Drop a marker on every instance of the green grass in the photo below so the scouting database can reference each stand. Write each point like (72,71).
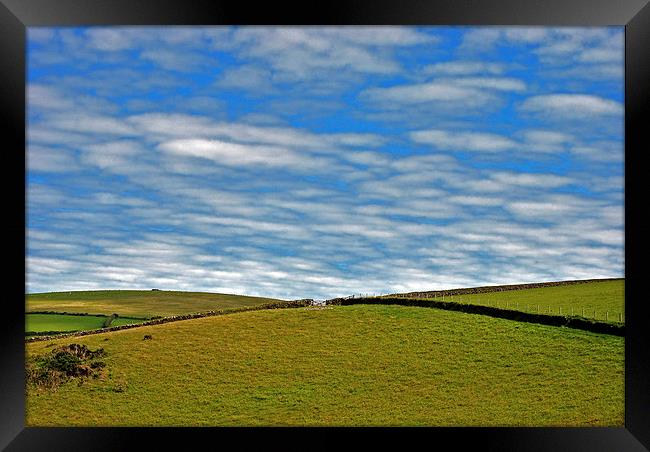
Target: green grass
(606,298)
(36,323)
(343,365)
(125,321)
(138,303)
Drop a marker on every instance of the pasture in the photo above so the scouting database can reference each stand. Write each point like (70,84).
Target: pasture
(602,300)
(343,365)
(39,323)
(138,303)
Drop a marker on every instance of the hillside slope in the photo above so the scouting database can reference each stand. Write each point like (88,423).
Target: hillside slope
(344,365)
(138,303)
(602,300)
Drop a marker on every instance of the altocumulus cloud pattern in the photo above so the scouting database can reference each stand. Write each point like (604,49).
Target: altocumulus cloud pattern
(319,161)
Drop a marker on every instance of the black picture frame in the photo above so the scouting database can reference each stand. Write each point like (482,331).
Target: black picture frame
(16,15)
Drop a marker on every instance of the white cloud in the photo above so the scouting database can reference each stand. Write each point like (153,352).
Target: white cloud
(428,92)
(600,151)
(464,68)
(43,195)
(52,160)
(571,105)
(598,72)
(531,180)
(480,39)
(195,126)
(555,41)
(173,60)
(90,124)
(246,77)
(476,200)
(235,154)
(499,84)
(463,141)
(445,94)
(109,39)
(41,96)
(112,155)
(310,52)
(553,208)
(602,55)
(546,140)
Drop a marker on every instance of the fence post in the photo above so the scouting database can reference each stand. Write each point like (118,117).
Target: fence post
(606,316)
(619,317)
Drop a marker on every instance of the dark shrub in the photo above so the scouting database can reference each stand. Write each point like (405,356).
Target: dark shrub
(64,361)
(62,364)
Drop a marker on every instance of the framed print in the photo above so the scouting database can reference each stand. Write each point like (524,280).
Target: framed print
(372,218)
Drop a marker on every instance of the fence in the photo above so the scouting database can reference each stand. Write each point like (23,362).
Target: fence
(587,312)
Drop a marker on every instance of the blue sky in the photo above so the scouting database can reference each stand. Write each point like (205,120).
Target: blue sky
(323,161)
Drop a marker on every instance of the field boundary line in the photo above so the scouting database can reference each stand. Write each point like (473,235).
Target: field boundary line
(86,314)
(175,318)
(509,314)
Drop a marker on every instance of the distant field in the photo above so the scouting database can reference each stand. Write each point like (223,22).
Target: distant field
(37,323)
(138,303)
(606,299)
(344,365)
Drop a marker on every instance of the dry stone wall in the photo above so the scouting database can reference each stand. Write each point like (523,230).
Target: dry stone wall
(176,318)
(510,314)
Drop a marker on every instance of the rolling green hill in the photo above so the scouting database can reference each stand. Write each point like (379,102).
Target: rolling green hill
(600,300)
(138,303)
(342,365)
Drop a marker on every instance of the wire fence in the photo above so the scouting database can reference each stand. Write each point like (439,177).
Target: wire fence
(588,312)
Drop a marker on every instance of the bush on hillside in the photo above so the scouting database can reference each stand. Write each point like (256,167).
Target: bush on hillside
(62,364)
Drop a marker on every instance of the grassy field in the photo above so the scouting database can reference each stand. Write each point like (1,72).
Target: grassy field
(138,303)
(343,365)
(36,323)
(605,298)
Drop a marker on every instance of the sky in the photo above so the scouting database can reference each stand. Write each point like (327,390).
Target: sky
(316,162)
